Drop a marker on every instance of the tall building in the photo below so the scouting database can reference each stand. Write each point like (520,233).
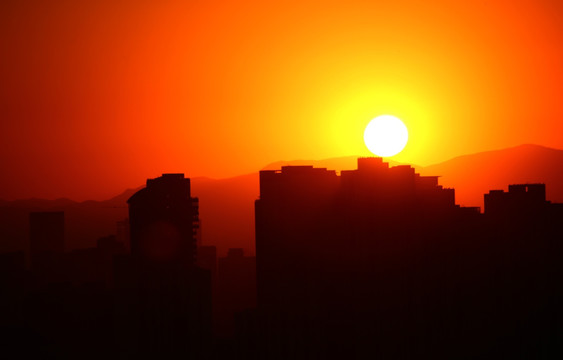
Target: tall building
(163,300)
(329,245)
(163,220)
(311,221)
(294,203)
(379,262)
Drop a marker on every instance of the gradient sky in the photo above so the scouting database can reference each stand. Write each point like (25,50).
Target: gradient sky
(97,96)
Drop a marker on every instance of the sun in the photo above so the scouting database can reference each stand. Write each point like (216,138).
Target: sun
(386,136)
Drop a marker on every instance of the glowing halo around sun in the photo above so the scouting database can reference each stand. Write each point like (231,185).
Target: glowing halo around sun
(386,136)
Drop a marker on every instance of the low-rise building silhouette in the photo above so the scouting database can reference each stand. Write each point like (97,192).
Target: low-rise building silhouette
(520,199)
(236,288)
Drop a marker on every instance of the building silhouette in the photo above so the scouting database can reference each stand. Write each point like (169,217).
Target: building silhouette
(163,220)
(381,262)
(520,199)
(236,288)
(163,300)
(377,262)
(307,218)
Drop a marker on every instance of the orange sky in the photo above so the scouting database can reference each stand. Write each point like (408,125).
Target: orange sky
(96,96)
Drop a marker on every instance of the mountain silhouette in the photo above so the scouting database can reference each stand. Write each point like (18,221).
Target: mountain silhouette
(227,205)
(473,175)
(85,222)
(226,211)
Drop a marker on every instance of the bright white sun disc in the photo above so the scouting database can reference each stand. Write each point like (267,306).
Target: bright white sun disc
(386,136)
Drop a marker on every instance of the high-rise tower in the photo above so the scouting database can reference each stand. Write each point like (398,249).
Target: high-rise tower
(164,220)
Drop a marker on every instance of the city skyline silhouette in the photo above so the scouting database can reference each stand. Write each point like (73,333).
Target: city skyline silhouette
(373,262)
(87,221)
(197,179)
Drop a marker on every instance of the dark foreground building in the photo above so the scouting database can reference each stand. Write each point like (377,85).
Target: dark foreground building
(163,301)
(102,302)
(379,262)
(373,263)
(163,220)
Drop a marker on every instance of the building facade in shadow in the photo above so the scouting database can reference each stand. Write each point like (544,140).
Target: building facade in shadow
(163,300)
(163,220)
(377,262)
(380,261)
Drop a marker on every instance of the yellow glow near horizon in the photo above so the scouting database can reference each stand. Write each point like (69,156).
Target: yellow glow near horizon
(386,135)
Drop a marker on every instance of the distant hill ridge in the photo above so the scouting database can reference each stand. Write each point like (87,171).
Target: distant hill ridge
(473,175)
(227,205)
